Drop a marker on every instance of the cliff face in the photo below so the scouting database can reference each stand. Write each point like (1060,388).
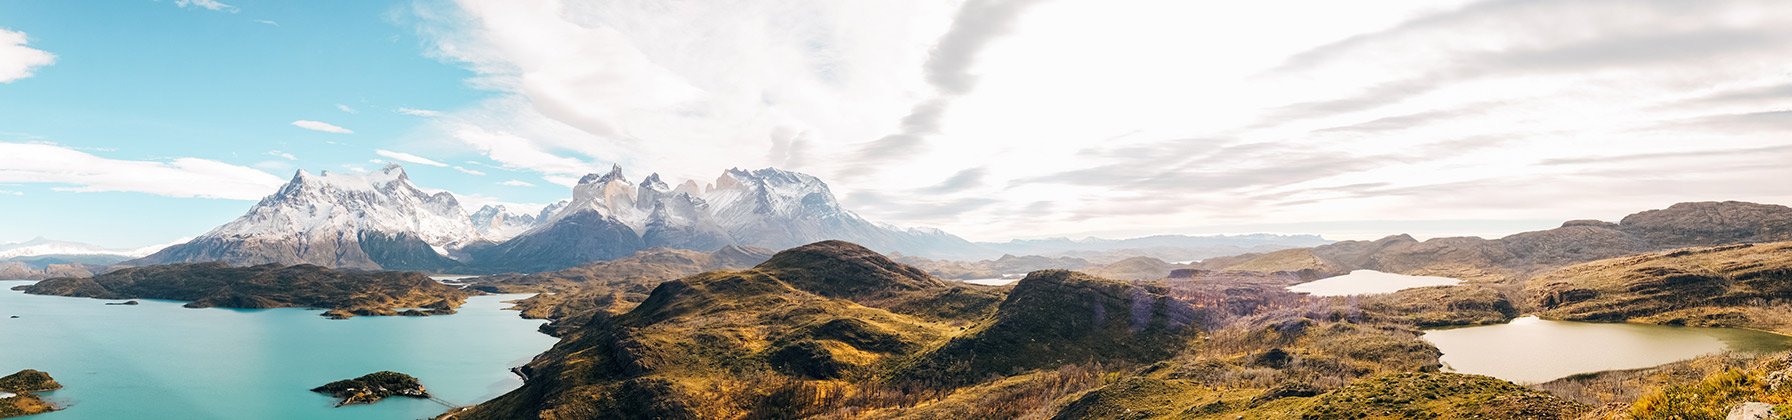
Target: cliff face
(263,286)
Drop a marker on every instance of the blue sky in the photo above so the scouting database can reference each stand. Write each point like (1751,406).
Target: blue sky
(140,121)
(149,80)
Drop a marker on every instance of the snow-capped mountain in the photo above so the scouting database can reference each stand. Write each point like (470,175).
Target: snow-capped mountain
(498,223)
(41,246)
(609,217)
(374,220)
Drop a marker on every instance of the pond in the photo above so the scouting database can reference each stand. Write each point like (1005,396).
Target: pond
(1529,350)
(160,360)
(1368,282)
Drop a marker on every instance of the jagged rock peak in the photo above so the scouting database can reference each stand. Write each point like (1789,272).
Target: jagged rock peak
(653,182)
(615,174)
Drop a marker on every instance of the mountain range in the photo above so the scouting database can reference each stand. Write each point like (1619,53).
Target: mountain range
(381,220)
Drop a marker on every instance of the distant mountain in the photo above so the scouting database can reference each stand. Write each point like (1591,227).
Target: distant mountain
(1165,247)
(41,246)
(609,217)
(41,258)
(498,223)
(1522,255)
(372,221)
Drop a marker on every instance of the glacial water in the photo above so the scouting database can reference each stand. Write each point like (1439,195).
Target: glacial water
(160,360)
(1531,350)
(1368,282)
(998,281)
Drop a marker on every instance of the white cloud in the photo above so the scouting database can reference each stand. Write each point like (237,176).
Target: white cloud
(419,112)
(345,108)
(79,171)
(408,158)
(516,183)
(11,192)
(1100,117)
(321,126)
(213,5)
(464,170)
(18,61)
(267,22)
(282,155)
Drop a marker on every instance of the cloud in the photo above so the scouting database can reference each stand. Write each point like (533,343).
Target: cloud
(345,108)
(948,69)
(464,170)
(267,22)
(408,158)
(1068,118)
(419,112)
(78,171)
(516,183)
(321,126)
(18,61)
(963,180)
(979,22)
(213,5)
(282,155)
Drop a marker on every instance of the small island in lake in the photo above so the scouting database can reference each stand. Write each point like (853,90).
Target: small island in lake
(16,393)
(343,293)
(373,387)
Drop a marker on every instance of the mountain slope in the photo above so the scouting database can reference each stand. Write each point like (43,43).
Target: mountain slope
(613,286)
(375,221)
(1522,255)
(724,344)
(1054,318)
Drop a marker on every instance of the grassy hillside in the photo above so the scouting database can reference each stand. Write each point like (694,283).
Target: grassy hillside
(1748,285)
(732,344)
(613,286)
(1054,318)
(831,330)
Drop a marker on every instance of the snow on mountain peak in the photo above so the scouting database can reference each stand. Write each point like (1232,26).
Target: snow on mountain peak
(333,203)
(497,222)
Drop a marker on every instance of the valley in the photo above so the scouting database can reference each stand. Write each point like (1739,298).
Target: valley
(658,312)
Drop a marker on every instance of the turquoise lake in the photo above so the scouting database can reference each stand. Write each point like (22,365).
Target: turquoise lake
(160,360)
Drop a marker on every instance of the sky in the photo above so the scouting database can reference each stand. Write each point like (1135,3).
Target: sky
(140,122)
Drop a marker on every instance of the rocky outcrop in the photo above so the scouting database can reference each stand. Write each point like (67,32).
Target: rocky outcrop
(373,387)
(18,393)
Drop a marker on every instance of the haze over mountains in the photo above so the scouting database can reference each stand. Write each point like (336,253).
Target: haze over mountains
(382,220)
